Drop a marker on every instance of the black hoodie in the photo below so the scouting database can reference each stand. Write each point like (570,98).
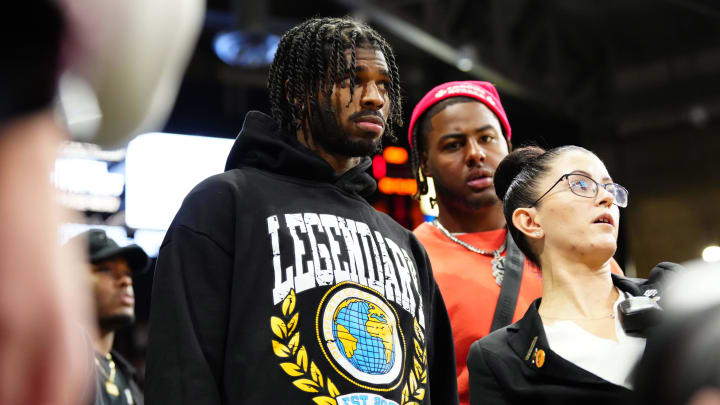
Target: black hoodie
(277,283)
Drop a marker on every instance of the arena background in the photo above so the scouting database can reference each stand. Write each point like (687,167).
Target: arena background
(638,82)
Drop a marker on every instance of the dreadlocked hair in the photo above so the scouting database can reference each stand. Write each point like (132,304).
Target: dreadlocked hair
(417,149)
(310,59)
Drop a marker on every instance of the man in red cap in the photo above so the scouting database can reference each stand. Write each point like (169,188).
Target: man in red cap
(459,133)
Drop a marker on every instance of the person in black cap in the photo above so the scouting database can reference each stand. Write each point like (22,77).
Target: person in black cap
(112,268)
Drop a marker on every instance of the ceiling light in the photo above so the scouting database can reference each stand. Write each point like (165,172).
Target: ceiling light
(711,253)
(465,64)
(246,49)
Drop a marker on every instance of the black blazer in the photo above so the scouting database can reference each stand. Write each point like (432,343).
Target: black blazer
(515,365)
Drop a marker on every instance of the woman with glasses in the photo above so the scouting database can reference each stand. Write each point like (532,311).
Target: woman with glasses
(563,210)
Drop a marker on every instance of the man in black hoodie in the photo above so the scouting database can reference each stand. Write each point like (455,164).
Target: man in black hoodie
(277,283)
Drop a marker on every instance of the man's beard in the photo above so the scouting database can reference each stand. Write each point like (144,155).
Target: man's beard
(464,203)
(115,322)
(331,137)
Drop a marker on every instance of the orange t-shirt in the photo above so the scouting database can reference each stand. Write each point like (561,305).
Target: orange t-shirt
(469,289)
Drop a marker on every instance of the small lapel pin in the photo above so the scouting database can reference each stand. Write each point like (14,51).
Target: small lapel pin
(539,358)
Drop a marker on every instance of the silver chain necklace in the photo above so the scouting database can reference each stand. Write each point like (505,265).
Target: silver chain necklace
(498,262)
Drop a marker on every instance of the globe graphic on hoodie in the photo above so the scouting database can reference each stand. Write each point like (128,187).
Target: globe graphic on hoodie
(364,336)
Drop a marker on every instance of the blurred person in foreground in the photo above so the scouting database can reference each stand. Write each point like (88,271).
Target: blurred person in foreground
(44,309)
(681,363)
(459,132)
(562,209)
(277,282)
(112,269)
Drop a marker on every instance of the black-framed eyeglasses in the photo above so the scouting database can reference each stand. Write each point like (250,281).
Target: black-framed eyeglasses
(585,186)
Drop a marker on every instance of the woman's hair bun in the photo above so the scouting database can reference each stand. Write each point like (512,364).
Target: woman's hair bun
(511,166)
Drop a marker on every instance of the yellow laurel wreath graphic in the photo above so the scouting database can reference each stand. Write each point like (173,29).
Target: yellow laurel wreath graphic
(414,389)
(288,347)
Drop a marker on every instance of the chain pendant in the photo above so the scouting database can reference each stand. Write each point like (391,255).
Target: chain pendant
(111,388)
(498,262)
(498,267)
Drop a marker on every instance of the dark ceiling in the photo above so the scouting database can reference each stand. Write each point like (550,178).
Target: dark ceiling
(637,81)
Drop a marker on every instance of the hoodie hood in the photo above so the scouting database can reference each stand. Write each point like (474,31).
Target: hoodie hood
(262,145)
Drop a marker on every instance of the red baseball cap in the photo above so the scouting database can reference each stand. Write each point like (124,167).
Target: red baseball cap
(484,92)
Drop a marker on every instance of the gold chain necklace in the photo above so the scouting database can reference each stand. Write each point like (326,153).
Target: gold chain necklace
(110,385)
(498,262)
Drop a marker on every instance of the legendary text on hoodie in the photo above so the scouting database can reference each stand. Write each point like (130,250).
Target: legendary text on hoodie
(278,283)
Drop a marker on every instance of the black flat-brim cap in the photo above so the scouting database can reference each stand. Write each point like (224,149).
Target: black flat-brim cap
(101,248)
(136,257)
